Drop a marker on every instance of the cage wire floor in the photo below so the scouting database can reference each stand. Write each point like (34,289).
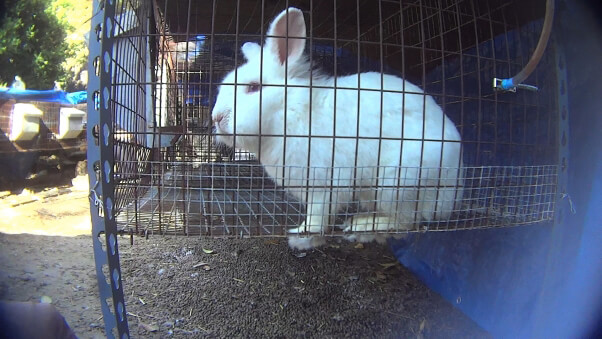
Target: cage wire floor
(240,200)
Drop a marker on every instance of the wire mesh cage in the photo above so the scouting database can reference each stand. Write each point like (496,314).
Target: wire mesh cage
(241,118)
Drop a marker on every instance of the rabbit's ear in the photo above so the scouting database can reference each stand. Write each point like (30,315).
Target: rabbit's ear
(250,50)
(292,46)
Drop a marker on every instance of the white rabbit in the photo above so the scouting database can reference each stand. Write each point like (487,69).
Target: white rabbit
(415,181)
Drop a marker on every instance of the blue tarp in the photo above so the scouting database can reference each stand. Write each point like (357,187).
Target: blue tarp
(61,97)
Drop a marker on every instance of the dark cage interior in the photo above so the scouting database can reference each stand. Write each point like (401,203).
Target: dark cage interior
(170,175)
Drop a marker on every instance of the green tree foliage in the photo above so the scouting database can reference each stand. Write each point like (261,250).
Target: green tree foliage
(74,16)
(32,43)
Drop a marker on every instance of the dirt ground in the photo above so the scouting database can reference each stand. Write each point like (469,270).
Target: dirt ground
(191,287)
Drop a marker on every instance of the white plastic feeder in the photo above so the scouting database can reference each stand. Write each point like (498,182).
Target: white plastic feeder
(71,122)
(25,122)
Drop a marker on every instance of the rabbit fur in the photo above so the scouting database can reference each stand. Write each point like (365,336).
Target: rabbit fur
(415,180)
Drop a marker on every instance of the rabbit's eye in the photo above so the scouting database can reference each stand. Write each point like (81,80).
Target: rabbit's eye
(253,87)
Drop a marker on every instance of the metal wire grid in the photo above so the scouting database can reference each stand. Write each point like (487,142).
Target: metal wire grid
(130,96)
(451,49)
(240,200)
(6,108)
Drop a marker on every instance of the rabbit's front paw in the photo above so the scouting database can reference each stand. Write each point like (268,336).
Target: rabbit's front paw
(305,243)
(367,223)
(312,225)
